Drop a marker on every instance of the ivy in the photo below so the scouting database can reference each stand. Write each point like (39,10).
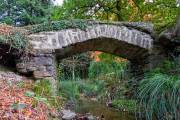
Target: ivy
(58,25)
(160,27)
(16,40)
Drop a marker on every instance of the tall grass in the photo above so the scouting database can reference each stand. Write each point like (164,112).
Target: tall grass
(72,89)
(92,88)
(103,68)
(159,95)
(69,89)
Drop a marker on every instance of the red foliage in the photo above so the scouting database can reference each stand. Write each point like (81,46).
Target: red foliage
(11,94)
(5,29)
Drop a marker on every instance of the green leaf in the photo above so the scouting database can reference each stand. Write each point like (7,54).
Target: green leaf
(29,94)
(18,106)
(42,99)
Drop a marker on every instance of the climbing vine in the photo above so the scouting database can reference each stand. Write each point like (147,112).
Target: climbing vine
(58,25)
(16,40)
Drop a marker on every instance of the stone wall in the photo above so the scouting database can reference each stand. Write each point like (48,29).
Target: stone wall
(40,64)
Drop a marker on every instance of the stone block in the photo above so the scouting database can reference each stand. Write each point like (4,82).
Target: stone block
(31,68)
(43,60)
(24,71)
(42,68)
(41,74)
(20,65)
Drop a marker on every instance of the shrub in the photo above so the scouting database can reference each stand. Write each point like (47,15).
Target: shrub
(125,105)
(105,69)
(58,25)
(91,88)
(159,94)
(42,88)
(16,40)
(69,89)
(42,91)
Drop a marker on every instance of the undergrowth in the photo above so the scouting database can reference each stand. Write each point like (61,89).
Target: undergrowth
(125,105)
(15,40)
(159,93)
(43,92)
(69,90)
(58,25)
(18,40)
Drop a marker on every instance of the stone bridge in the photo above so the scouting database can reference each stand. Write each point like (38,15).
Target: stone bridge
(133,41)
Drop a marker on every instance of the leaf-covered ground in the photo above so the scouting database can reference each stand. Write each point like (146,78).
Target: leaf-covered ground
(15,105)
(5,29)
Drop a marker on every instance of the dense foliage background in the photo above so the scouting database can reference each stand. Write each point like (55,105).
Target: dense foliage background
(24,12)
(106,79)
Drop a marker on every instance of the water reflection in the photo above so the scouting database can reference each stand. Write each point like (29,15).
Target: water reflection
(97,109)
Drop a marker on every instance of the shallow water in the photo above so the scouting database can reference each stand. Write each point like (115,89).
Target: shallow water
(97,109)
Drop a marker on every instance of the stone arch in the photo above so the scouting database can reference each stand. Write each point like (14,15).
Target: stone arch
(118,39)
(108,45)
(63,38)
(123,40)
(133,41)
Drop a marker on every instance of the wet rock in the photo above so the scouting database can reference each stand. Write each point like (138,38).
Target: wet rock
(68,115)
(70,105)
(82,118)
(10,76)
(109,104)
(91,117)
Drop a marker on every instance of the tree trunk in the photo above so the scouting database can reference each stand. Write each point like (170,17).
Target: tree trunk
(177,28)
(118,7)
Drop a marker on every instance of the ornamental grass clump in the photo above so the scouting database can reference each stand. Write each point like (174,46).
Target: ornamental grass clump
(159,95)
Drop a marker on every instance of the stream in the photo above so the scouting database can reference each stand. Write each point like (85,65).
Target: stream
(97,109)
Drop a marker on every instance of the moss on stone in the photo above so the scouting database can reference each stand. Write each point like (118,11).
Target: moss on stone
(160,27)
(15,40)
(57,25)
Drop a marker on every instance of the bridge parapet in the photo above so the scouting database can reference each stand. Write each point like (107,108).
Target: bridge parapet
(63,38)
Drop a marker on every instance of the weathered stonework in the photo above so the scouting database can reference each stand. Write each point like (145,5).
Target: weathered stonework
(68,37)
(133,41)
(41,65)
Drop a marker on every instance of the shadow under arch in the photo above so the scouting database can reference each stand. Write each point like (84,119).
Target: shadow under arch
(136,55)
(107,45)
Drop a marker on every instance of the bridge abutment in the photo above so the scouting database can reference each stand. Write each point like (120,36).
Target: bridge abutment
(40,65)
(154,58)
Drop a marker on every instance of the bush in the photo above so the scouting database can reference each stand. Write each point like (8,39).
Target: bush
(159,94)
(69,89)
(42,91)
(91,88)
(114,74)
(125,105)
(72,89)
(58,25)
(97,69)
(16,40)
(42,88)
